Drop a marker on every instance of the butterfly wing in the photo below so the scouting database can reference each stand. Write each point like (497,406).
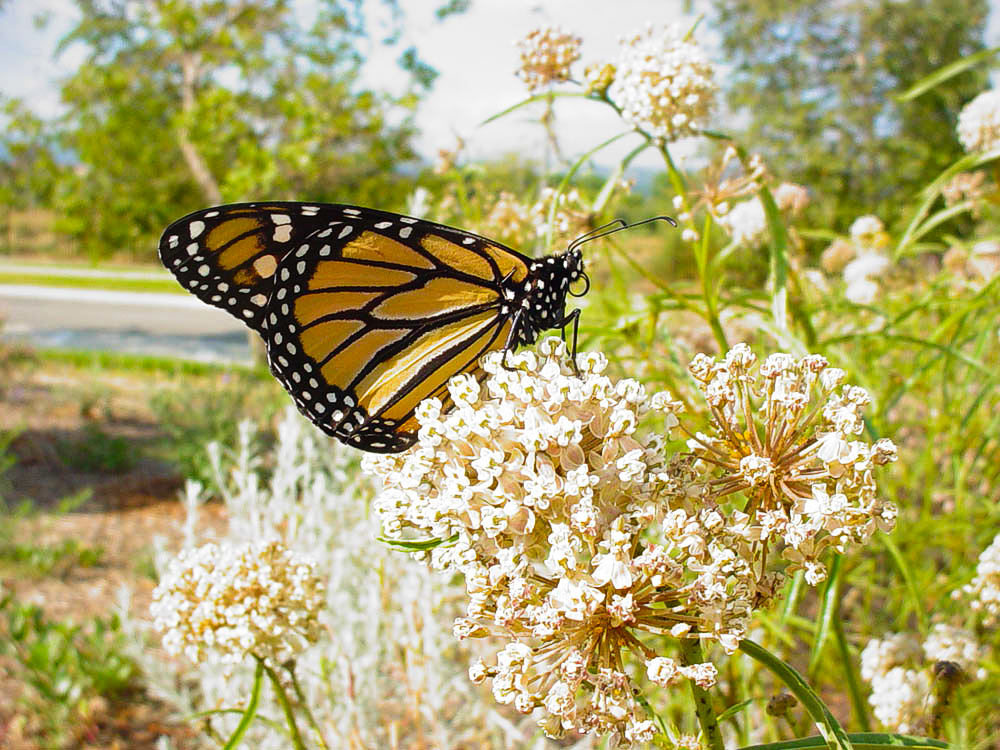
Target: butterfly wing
(374,312)
(227,255)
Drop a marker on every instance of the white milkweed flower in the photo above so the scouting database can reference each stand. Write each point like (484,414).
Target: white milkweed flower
(663,83)
(858,275)
(746,222)
(900,670)
(979,122)
(984,588)
(219,603)
(546,56)
(866,227)
(580,548)
(808,478)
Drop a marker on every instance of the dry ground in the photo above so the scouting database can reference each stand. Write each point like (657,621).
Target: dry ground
(53,407)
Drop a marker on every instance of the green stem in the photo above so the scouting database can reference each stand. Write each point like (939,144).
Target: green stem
(691,654)
(826,722)
(286,706)
(290,668)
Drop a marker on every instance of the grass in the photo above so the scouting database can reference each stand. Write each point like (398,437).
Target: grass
(167,286)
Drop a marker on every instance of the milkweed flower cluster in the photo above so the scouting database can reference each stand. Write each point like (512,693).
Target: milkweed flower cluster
(572,535)
(979,122)
(586,546)
(546,56)
(899,668)
(219,603)
(784,433)
(664,83)
(984,588)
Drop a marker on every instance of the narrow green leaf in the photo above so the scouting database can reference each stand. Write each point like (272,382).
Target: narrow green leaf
(532,100)
(421,545)
(251,709)
(860,741)
(833,734)
(941,75)
(848,664)
(733,710)
(779,259)
(906,572)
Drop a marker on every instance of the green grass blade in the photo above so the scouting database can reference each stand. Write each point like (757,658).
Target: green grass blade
(860,741)
(531,100)
(911,583)
(829,604)
(941,75)
(854,690)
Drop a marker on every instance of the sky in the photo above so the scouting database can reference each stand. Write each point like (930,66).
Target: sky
(474,53)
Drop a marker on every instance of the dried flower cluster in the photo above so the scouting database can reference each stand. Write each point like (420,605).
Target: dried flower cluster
(984,588)
(546,56)
(784,434)
(576,534)
(663,83)
(859,258)
(222,602)
(979,122)
(899,669)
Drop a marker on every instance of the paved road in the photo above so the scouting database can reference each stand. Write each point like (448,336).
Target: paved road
(136,322)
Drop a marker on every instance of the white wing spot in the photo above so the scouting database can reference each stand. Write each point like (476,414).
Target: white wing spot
(405,232)
(211,214)
(282,233)
(325,233)
(345,231)
(192,248)
(281,218)
(300,266)
(173,241)
(302,250)
(259,299)
(324,251)
(248,313)
(468,241)
(204,270)
(407,220)
(383,225)
(196,228)
(223,286)
(352,211)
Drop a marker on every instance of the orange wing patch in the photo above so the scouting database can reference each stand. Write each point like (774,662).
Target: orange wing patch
(312,306)
(435,297)
(509,264)
(343,368)
(378,247)
(457,257)
(322,338)
(333,274)
(389,377)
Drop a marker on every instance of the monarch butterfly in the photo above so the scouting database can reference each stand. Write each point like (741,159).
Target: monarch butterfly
(366,313)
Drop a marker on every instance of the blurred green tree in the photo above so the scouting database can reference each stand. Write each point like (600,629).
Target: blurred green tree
(28,165)
(180,104)
(817,82)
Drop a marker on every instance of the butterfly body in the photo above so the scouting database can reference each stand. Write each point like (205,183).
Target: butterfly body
(365,313)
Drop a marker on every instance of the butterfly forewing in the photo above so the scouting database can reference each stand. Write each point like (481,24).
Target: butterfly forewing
(227,256)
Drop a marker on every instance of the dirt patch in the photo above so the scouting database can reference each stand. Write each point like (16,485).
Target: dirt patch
(84,434)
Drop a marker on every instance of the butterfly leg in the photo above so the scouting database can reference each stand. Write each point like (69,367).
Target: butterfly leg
(574,318)
(511,341)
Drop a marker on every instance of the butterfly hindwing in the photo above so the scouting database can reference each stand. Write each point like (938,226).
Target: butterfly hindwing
(375,312)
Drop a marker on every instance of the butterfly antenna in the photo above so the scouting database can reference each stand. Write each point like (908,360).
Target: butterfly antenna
(611,228)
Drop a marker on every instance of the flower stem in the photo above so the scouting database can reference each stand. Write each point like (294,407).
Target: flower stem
(691,654)
(286,706)
(290,668)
